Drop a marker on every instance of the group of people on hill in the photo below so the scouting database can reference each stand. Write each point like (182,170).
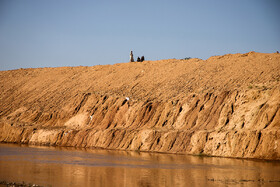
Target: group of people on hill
(138,59)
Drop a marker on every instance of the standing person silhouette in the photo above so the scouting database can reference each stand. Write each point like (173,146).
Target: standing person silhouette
(131,57)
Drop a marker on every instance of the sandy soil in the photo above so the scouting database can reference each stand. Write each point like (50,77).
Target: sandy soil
(200,98)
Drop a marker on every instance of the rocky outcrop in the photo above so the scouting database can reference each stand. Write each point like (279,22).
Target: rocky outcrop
(241,122)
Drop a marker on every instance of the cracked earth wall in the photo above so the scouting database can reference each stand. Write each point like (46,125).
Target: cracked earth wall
(235,121)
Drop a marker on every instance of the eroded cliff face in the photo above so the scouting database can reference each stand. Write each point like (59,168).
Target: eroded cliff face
(232,115)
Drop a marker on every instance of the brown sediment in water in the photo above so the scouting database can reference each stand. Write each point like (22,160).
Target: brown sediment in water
(15,184)
(223,106)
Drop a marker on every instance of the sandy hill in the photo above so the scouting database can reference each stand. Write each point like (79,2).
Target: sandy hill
(223,106)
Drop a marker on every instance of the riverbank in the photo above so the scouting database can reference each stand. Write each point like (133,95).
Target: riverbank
(14,184)
(225,106)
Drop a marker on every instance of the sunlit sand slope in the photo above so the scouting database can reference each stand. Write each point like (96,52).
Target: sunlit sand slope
(223,106)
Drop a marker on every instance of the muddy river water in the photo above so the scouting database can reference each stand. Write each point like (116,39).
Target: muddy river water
(56,166)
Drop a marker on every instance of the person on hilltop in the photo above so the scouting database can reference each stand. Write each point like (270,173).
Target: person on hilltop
(142,59)
(131,57)
(138,59)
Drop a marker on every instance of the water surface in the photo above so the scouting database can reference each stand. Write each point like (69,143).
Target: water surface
(56,166)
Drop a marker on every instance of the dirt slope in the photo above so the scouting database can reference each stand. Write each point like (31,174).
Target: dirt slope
(224,106)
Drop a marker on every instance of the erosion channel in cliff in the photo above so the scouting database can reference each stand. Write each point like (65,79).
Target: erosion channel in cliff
(225,106)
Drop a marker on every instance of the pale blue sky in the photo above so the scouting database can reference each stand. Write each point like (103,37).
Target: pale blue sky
(52,33)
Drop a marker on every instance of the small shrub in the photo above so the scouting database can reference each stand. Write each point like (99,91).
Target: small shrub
(264,88)
(250,86)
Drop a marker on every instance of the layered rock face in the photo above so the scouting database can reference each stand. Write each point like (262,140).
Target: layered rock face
(225,106)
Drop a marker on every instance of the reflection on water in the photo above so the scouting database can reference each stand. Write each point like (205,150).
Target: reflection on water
(49,166)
